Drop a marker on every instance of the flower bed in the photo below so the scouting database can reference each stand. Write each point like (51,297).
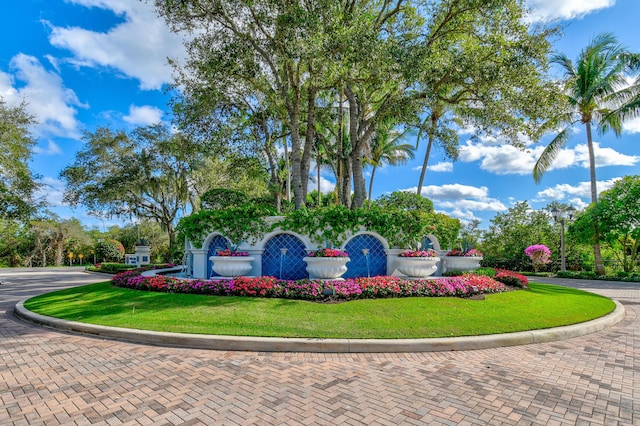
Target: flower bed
(349,289)
(511,278)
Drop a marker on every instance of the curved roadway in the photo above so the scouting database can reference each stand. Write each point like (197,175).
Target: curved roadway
(48,377)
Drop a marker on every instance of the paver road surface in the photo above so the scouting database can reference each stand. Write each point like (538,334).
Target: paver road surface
(48,377)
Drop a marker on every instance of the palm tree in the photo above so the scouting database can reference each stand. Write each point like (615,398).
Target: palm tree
(595,88)
(386,148)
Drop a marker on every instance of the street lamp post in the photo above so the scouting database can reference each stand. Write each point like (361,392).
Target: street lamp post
(559,217)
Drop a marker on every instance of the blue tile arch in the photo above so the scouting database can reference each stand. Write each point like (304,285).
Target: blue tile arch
(357,266)
(427,243)
(289,266)
(217,243)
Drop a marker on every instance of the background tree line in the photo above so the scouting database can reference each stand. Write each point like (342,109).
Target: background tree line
(272,88)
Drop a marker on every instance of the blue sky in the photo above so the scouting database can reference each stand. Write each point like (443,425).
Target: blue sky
(80,64)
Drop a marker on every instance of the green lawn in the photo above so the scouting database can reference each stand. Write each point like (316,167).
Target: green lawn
(542,306)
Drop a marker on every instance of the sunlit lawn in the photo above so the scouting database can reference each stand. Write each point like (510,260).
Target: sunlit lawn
(542,306)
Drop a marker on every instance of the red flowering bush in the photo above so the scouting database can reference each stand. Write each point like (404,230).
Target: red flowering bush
(511,278)
(483,283)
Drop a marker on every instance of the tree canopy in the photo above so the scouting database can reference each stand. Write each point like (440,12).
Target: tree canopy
(617,214)
(17,183)
(304,72)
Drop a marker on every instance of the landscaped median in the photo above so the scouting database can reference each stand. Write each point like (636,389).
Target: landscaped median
(537,314)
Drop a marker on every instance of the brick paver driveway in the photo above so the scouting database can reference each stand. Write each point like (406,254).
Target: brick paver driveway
(47,377)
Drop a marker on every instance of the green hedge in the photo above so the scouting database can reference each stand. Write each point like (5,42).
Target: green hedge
(114,268)
(590,275)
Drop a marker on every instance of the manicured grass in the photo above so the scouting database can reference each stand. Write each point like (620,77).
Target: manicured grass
(542,306)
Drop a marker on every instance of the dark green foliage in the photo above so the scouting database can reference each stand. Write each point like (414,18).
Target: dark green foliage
(114,268)
(404,200)
(109,251)
(489,272)
(590,275)
(17,183)
(221,198)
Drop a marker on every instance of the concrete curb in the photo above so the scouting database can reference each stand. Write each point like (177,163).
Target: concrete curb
(276,344)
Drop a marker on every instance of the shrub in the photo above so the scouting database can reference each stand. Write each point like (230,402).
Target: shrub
(483,283)
(114,268)
(488,272)
(110,250)
(539,254)
(511,278)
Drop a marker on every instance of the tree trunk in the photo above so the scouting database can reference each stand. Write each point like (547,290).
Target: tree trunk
(58,249)
(296,174)
(597,255)
(427,154)
(373,174)
(359,183)
(309,140)
(357,150)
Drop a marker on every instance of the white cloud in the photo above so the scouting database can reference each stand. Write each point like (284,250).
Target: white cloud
(580,191)
(547,10)
(52,191)
(137,47)
(52,104)
(500,159)
(604,156)
(143,115)
(632,126)
(51,149)
(507,159)
(442,167)
(326,186)
(460,201)
(454,191)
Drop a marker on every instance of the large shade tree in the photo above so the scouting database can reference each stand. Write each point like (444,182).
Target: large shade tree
(143,174)
(17,183)
(382,61)
(617,214)
(596,91)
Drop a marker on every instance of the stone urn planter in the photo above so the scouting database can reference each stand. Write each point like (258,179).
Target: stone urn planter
(232,266)
(326,268)
(462,263)
(417,267)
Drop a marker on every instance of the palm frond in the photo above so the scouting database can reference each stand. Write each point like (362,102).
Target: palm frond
(550,153)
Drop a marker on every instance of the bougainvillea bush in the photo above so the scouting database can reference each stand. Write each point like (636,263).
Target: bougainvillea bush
(539,254)
(511,278)
(348,289)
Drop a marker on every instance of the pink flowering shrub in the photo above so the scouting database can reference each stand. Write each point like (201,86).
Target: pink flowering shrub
(348,289)
(539,254)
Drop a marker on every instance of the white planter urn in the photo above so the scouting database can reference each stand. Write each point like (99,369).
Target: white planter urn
(326,268)
(232,266)
(462,263)
(417,267)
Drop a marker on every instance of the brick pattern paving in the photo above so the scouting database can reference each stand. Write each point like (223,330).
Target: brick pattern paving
(49,378)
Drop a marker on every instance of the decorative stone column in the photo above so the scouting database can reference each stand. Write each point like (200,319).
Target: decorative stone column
(143,253)
(200,263)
